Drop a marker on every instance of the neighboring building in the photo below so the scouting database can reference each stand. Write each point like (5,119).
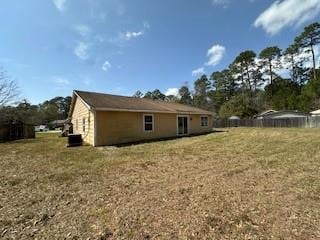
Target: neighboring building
(234,118)
(105,119)
(58,123)
(282,115)
(260,116)
(41,128)
(316,113)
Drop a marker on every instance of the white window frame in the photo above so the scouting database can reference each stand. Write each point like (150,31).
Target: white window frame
(143,120)
(84,124)
(77,125)
(206,126)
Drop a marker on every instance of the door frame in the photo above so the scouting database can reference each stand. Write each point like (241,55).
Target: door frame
(188,127)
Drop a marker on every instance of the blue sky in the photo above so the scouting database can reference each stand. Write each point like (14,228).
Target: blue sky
(51,47)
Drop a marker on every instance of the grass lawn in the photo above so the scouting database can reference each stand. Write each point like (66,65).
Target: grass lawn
(237,184)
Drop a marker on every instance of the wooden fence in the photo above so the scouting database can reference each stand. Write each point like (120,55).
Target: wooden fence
(15,131)
(307,122)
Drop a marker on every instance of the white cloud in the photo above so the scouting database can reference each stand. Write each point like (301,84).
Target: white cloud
(287,13)
(106,66)
(60,4)
(131,35)
(82,29)
(215,54)
(198,71)
(125,37)
(222,3)
(172,91)
(81,50)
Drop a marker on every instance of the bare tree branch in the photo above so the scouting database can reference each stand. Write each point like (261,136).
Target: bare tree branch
(8,89)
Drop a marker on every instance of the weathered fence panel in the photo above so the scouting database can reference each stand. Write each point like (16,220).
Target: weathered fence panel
(307,122)
(15,131)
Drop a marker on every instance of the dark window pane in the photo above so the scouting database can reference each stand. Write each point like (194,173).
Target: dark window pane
(185,125)
(204,121)
(148,119)
(148,126)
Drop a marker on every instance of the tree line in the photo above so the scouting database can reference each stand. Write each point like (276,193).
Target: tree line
(54,109)
(285,79)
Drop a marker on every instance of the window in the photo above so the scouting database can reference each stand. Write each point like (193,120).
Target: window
(84,124)
(148,123)
(204,121)
(77,124)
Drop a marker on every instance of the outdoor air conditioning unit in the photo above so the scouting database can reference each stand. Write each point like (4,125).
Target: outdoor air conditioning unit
(74,140)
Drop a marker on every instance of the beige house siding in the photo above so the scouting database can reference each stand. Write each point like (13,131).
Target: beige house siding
(195,127)
(123,127)
(80,112)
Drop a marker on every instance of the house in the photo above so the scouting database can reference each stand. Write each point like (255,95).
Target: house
(234,118)
(260,116)
(282,115)
(41,128)
(315,113)
(58,123)
(104,119)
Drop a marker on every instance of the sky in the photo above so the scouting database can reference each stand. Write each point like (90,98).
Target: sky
(51,47)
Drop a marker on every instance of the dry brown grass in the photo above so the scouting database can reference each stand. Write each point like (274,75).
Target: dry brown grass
(239,184)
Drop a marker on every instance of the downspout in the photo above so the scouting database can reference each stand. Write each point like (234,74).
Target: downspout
(95,128)
(87,133)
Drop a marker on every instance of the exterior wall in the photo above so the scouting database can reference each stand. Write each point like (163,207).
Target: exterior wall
(195,127)
(124,127)
(81,111)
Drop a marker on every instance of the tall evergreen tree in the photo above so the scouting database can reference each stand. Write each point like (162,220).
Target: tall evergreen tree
(246,62)
(185,95)
(298,71)
(148,95)
(224,87)
(224,83)
(307,40)
(270,61)
(138,94)
(155,95)
(201,88)
(283,94)
(158,95)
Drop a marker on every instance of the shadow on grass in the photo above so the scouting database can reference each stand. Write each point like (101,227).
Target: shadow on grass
(164,139)
(219,131)
(19,141)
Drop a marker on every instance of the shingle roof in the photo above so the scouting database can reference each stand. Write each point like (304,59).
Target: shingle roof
(102,101)
(284,112)
(316,112)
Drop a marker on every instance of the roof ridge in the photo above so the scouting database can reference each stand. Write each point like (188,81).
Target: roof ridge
(115,95)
